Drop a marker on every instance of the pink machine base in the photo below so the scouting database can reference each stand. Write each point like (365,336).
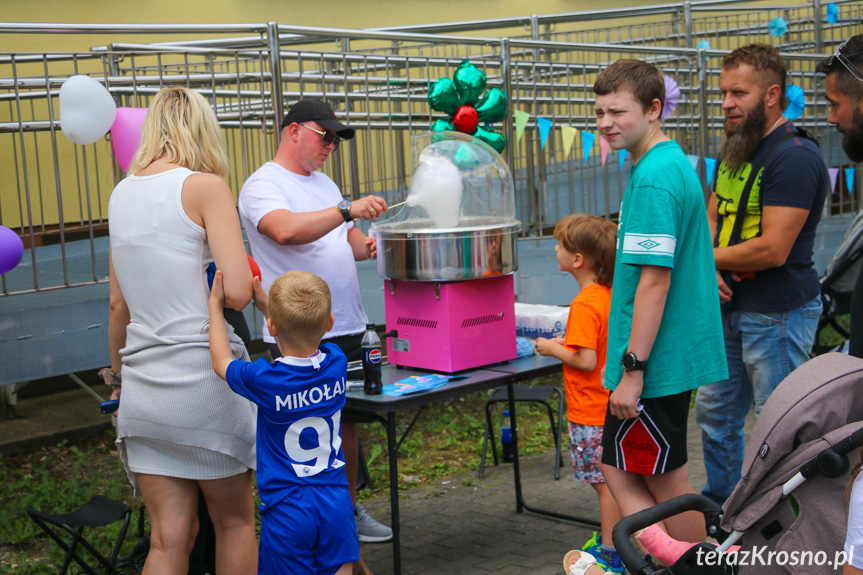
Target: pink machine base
(450,327)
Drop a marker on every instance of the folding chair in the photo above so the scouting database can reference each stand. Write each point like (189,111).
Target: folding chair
(99,512)
(535,393)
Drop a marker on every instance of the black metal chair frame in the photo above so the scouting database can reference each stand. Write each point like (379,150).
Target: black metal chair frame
(525,393)
(99,512)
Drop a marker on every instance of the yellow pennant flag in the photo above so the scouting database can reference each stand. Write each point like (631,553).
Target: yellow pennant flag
(521,119)
(568,134)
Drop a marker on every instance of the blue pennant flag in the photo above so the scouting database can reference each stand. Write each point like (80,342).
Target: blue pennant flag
(693,159)
(587,140)
(621,158)
(709,168)
(544,129)
(849,179)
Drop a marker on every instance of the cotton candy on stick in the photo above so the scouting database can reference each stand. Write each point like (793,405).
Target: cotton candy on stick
(437,187)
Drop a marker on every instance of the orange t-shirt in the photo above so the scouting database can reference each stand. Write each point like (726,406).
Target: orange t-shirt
(587,327)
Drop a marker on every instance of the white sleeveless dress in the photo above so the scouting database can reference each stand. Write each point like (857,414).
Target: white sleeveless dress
(176,417)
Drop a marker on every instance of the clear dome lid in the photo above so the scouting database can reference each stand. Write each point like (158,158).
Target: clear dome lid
(458,182)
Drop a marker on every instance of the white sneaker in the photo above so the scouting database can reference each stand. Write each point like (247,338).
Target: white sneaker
(369,530)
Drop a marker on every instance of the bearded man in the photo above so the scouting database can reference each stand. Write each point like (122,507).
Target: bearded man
(844,93)
(766,202)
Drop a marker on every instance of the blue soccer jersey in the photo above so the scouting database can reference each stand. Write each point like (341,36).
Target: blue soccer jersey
(300,403)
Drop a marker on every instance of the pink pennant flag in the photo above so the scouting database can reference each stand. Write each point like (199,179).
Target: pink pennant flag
(834,174)
(603,148)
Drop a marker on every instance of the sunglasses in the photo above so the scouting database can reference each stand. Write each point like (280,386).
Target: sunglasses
(837,55)
(327,138)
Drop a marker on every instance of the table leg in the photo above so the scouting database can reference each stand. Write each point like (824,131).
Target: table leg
(513,420)
(392,448)
(520,503)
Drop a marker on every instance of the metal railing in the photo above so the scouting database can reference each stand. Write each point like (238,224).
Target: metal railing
(378,80)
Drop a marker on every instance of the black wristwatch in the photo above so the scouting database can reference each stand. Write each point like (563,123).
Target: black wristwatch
(630,362)
(345,208)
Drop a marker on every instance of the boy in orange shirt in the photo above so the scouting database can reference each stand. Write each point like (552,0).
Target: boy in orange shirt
(586,246)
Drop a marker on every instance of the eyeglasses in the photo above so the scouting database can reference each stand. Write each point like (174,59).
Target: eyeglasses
(837,55)
(327,138)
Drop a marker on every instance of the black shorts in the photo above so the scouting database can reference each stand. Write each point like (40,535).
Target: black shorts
(652,443)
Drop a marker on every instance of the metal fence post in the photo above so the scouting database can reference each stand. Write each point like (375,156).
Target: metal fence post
(819,33)
(704,108)
(275,78)
(687,21)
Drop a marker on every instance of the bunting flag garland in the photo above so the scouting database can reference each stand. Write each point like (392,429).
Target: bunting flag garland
(521,119)
(709,168)
(544,125)
(693,159)
(834,175)
(849,179)
(587,139)
(621,158)
(603,148)
(568,134)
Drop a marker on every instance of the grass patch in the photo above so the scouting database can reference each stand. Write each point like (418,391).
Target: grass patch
(446,441)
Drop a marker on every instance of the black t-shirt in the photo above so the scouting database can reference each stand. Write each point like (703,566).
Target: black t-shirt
(795,176)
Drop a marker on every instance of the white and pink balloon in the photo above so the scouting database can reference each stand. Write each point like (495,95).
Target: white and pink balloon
(88,112)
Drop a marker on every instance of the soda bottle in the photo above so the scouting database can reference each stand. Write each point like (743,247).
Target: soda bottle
(506,439)
(371,346)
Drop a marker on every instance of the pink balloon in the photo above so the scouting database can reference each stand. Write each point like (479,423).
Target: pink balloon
(126,134)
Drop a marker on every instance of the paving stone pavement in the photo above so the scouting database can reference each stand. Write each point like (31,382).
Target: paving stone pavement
(468,525)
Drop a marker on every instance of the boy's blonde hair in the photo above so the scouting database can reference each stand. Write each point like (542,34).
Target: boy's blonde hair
(181,126)
(644,81)
(594,238)
(300,306)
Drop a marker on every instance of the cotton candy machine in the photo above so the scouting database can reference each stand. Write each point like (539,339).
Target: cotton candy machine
(447,257)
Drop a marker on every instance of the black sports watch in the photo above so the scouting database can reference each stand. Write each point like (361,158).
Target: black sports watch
(630,362)
(344,207)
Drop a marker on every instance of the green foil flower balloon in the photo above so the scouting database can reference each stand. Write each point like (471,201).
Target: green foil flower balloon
(462,99)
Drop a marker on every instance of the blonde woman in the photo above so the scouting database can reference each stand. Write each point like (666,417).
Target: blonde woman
(179,427)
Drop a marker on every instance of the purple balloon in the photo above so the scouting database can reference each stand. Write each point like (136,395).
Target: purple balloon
(11,250)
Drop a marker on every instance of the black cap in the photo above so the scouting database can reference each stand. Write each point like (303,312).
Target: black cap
(320,112)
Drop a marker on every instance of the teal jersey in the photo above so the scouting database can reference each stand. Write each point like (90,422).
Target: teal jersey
(663,222)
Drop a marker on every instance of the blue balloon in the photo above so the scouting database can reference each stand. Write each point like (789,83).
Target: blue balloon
(832,13)
(796,101)
(778,27)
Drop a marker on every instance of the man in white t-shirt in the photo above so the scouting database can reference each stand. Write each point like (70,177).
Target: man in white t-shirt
(297,219)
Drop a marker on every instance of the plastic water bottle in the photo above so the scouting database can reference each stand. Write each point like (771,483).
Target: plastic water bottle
(506,439)
(371,346)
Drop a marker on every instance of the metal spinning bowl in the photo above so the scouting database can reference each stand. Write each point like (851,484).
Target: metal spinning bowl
(416,250)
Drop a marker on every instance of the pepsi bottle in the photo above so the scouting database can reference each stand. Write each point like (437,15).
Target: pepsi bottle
(372,359)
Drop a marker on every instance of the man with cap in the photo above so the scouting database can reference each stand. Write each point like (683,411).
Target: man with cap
(297,219)
(844,92)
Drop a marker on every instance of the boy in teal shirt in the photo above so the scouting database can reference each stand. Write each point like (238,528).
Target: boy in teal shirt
(665,335)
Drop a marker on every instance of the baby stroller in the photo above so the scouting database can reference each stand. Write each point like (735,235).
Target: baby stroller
(791,497)
(838,282)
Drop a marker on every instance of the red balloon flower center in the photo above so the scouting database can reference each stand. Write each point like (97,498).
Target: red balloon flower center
(466,119)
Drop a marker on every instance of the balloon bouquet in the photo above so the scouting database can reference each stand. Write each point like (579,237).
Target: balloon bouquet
(462,99)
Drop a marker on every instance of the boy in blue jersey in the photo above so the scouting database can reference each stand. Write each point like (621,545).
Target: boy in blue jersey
(664,331)
(307,518)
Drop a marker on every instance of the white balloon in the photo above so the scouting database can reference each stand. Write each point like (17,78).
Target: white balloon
(87,110)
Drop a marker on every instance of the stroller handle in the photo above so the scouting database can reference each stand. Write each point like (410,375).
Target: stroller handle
(624,529)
